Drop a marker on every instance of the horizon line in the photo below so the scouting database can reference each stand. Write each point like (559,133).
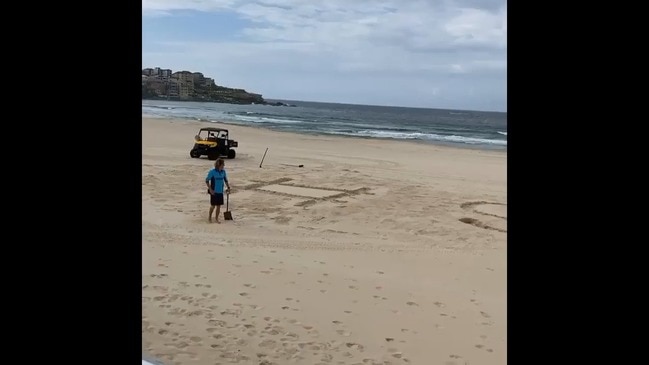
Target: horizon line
(388,106)
(330,102)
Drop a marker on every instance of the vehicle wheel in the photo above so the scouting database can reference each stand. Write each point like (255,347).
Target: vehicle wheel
(213,155)
(231,154)
(193,154)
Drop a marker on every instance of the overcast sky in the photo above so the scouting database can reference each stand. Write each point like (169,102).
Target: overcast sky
(421,53)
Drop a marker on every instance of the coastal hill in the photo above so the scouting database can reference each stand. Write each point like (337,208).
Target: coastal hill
(163,84)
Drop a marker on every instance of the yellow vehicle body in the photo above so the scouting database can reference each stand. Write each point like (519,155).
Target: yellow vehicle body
(207,143)
(216,144)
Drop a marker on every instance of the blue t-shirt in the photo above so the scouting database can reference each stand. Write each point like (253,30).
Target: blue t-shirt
(216,179)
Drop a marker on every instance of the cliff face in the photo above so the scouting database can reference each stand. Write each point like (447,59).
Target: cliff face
(228,95)
(218,94)
(184,89)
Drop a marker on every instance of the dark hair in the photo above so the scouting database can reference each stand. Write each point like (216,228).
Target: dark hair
(220,162)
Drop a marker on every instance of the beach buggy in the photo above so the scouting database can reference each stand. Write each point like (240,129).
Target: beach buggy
(213,143)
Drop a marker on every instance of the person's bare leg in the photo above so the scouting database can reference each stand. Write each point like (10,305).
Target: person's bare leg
(209,218)
(218,211)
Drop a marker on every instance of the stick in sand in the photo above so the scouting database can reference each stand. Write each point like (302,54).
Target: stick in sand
(262,159)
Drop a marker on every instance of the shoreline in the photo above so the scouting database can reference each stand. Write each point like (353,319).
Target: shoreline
(439,144)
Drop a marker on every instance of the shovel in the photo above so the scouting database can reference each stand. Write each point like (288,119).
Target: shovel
(227,214)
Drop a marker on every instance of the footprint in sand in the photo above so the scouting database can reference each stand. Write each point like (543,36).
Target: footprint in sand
(217,322)
(268,343)
(355,346)
(412,303)
(181,345)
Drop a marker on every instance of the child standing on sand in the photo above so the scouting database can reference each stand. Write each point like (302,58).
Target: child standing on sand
(214,181)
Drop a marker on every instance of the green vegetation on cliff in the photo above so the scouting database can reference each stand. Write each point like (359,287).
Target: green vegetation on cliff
(191,86)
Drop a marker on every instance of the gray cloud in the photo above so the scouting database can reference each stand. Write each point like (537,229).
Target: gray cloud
(419,43)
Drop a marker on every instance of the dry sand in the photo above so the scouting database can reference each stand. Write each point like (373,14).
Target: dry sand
(374,252)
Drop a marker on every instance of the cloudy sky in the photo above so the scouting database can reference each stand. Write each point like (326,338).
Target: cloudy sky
(420,53)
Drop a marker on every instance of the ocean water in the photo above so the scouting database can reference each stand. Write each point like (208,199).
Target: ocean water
(459,128)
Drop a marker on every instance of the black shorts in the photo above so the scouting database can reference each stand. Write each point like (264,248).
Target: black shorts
(216,199)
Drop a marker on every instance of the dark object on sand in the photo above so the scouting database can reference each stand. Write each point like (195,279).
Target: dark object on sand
(285,164)
(213,143)
(227,214)
(262,159)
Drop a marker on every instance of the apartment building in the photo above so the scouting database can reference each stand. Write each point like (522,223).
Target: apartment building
(185,83)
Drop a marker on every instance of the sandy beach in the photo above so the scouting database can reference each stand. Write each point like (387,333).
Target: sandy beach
(373,252)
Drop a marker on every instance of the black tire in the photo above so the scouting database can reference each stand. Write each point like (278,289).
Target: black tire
(193,154)
(232,154)
(213,155)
